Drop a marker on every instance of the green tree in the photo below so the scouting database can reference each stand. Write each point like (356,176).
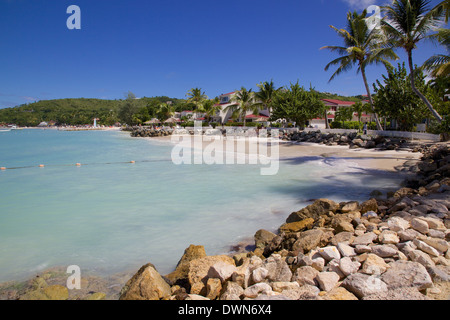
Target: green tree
(297,104)
(344,114)
(165,111)
(406,23)
(128,109)
(396,100)
(243,103)
(210,107)
(196,96)
(362,47)
(359,109)
(439,64)
(265,95)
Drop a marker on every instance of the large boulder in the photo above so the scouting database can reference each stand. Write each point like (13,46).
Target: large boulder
(180,275)
(199,269)
(263,238)
(314,211)
(407,274)
(146,284)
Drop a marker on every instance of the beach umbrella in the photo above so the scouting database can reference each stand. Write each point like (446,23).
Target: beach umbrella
(153,121)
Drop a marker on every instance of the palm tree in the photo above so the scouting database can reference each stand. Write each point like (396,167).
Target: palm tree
(265,95)
(406,23)
(362,47)
(244,102)
(445,7)
(165,111)
(196,96)
(359,109)
(439,64)
(210,107)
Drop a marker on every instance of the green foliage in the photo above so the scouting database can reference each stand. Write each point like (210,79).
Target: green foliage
(82,111)
(395,98)
(297,104)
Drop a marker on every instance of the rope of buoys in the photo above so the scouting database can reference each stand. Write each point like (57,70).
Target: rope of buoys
(79,164)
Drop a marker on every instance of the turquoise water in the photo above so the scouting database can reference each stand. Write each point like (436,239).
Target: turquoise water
(110,215)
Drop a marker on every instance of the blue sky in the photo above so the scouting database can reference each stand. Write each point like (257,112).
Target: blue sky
(166,47)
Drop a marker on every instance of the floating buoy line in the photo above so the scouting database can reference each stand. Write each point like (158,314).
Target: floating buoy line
(79,164)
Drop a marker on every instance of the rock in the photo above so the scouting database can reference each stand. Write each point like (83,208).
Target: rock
(54,292)
(257,289)
(327,280)
(195,297)
(259,274)
(374,265)
(231,291)
(388,237)
(318,263)
(433,223)
(362,285)
(146,284)
(384,251)
(346,250)
(222,271)
(297,226)
(362,249)
(407,293)
(439,244)
(342,223)
(408,235)
(283,286)
(398,224)
(329,253)
(421,257)
(370,214)
(350,206)
(308,240)
(407,274)
(213,288)
(198,271)
(305,276)
(263,238)
(365,239)
(369,205)
(339,293)
(315,210)
(181,272)
(97,296)
(278,269)
(348,266)
(420,225)
(426,248)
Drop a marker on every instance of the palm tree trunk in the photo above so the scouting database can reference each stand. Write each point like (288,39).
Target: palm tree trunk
(421,96)
(327,125)
(363,72)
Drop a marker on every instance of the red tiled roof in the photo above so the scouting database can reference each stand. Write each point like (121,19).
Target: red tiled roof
(226,94)
(339,102)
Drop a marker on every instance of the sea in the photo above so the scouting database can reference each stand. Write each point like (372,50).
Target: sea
(127,203)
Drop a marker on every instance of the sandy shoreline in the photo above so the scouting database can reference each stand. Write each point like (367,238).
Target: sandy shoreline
(385,160)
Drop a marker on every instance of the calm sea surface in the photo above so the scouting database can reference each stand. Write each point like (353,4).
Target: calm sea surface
(110,215)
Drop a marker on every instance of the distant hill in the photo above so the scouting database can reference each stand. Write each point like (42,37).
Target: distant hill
(77,111)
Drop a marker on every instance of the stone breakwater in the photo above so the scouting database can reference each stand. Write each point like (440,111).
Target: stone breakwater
(386,248)
(351,139)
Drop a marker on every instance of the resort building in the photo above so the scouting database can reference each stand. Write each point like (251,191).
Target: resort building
(225,114)
(333,106)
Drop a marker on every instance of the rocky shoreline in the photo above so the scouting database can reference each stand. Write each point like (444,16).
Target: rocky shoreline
(388,247)
(392,248)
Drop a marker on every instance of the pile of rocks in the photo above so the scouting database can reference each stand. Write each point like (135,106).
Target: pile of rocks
(144,132)
(352,139)
(395,247)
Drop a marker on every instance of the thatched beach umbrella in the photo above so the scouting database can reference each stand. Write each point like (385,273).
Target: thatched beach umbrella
(153,121)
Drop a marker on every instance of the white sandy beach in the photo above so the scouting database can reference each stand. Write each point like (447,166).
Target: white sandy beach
(386,160)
